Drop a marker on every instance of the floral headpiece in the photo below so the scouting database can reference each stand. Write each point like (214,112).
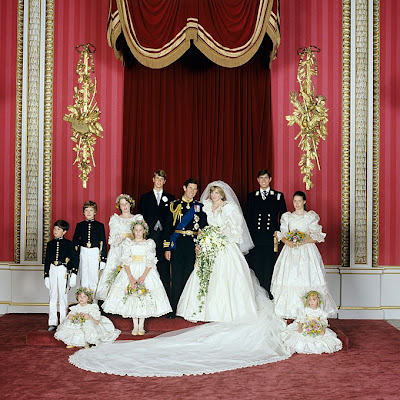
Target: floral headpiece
(83,289)
(142,222)
(312,293)
(127,198)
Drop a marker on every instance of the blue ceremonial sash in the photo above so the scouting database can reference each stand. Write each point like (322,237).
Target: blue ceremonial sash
(185,220)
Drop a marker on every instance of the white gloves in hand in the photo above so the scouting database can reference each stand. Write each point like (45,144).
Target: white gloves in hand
(102,265)
(47,282)
(72,280)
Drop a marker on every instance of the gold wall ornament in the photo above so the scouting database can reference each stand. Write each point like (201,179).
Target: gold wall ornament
(85,113)
(310,113)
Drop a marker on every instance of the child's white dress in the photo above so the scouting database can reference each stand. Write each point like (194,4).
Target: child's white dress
(120,228)
(300,269)
(138,256)
(76,334)
(306,344)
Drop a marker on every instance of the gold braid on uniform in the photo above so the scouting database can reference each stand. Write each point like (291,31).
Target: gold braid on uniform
(177,212)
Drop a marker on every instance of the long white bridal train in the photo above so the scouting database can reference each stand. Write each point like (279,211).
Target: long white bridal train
(204,349)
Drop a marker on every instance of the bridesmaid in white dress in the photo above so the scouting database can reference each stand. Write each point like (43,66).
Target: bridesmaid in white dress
(120,229)
(299,267)
(230,294)
(139,261)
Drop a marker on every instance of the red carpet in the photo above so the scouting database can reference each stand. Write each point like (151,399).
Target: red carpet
(369,369)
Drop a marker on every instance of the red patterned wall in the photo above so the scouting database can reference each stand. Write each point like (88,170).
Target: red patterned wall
(305,23)
(8,53)
(78,22)
(389,210)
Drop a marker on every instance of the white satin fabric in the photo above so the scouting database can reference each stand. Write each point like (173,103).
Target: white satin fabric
(205,349)
(230,293)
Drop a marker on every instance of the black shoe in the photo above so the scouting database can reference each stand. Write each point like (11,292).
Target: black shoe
(171,315)
(52,328)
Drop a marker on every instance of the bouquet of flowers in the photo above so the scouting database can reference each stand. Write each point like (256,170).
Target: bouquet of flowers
(78,318)
(211,242)
(296,237)
(136,289)
(113,275)
(313,327)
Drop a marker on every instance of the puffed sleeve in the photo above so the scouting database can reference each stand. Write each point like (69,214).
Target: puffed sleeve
(284,229)
(323,317)
(301,316)
(232,222)
(151,259)
(126,251)
(115,237)
(315,228)
(94,311)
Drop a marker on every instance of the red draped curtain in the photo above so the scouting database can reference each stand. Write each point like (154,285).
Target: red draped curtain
(191,113)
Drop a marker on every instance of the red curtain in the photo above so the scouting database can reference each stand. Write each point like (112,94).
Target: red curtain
(228,32)
(197,119)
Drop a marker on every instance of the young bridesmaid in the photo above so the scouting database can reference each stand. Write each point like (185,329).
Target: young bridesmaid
(309,333)
(84,326)
(137,291)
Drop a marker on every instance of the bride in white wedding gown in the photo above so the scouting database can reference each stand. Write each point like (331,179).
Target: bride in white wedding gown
(250,338)
(230,295)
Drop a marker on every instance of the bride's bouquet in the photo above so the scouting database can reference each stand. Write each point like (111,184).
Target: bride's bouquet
(211,242)
(137,290)
(113,275)
(296,237)
(78,318)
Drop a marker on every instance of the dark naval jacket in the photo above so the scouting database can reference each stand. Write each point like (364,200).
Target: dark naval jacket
(61,252)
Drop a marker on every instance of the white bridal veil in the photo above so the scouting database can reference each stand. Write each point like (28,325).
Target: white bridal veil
(247,243)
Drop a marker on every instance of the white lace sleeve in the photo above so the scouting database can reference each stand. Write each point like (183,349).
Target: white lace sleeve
(324,317)
(232,222)
(315,228)
(94,311)
(284,229)
(115,238)
(151,259)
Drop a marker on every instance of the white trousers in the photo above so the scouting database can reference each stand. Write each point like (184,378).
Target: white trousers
(58,280)
(89,267)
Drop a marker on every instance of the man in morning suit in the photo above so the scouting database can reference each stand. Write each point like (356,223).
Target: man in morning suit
(154,206)
(183,222)
(263,211)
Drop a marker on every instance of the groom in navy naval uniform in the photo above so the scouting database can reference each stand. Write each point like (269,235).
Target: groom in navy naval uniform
(263,212)
(183,222)
(154,206)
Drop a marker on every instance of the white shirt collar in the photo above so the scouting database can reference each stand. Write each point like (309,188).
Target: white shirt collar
(267,190)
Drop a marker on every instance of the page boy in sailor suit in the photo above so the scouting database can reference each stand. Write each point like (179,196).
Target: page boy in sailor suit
(263,211)
(183,222)
(90,241)
(61,261)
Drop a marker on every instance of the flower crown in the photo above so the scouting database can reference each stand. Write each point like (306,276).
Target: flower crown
(312,293)
(140,222)
(127,198)
(83,289)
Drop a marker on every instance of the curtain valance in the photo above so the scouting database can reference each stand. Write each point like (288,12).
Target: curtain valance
(228,32)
